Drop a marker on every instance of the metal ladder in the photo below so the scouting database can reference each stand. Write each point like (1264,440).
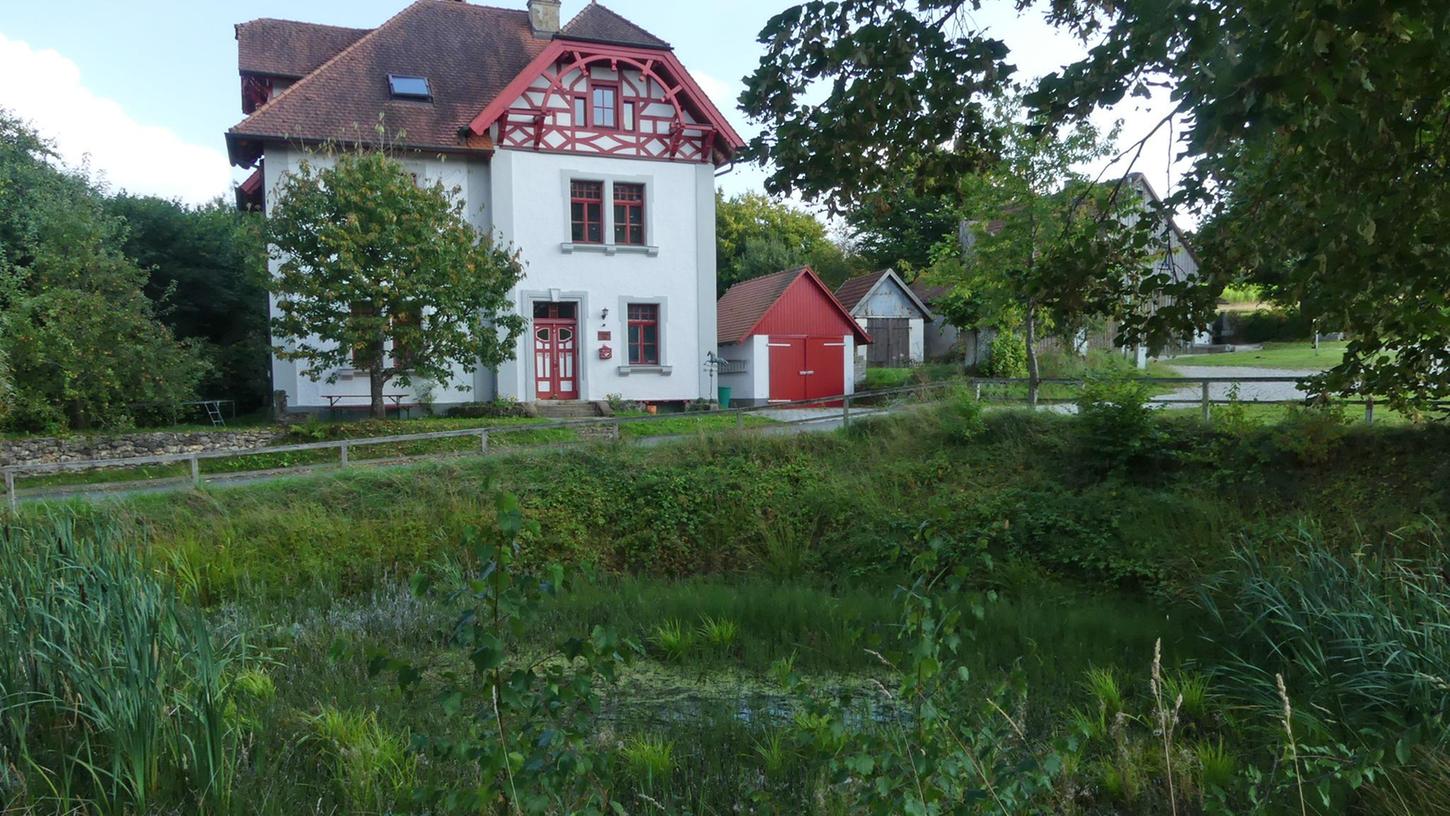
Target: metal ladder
(214,412)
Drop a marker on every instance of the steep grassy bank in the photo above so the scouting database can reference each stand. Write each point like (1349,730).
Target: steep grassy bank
(1038,491)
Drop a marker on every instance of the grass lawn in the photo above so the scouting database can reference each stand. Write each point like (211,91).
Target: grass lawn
(1269,414)
(1298,355)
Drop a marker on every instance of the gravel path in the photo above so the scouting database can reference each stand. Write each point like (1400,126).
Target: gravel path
(1249,391)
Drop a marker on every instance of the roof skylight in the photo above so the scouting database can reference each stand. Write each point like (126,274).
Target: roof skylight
(409,87)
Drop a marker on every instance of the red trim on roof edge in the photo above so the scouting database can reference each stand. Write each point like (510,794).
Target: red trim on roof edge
(480,124)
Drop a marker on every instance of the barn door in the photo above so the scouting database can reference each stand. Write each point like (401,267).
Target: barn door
(826,362)
(890,341)
(787,369)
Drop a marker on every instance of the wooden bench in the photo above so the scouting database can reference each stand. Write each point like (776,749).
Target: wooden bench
(396,399)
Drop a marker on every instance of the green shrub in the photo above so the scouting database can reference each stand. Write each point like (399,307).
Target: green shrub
(879,378)
(1007,355)
(1118,430)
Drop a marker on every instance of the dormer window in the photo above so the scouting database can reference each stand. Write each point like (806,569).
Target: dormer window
(409,87)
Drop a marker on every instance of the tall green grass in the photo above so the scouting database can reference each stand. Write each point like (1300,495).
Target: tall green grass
(113,694)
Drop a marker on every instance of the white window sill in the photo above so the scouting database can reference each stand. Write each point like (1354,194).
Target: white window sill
(569,247)
(662,370)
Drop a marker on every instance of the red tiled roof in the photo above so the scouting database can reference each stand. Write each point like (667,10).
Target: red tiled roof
(741,309)
(286,48)
(851,292)
(928,293)
(598,24)
(743,304)
(471,54)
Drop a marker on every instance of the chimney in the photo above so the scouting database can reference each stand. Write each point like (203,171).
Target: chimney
(544,17)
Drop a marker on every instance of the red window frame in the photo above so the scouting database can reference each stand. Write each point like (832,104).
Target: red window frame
(629,214)
(642,316)
(595,108)
(586,212)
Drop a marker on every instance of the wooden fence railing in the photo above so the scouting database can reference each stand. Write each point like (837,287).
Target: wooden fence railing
(345,447)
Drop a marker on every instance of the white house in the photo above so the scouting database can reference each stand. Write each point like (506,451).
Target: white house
(891,313)
(588,146)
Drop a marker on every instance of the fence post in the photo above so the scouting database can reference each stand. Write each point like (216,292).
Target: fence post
(483,441)
(978,384)
(344,454)
(1369,410)
(739,419)
(846,411)
(195,470)
(1207,406)
(10,490)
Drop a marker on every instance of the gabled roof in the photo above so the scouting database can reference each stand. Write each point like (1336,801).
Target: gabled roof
(744,305)
(860,288)
(471,54)
(598,24)
(286,48)
(1143,184)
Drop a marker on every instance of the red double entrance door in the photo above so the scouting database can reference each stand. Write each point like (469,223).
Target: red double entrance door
(556,343)
(803,368)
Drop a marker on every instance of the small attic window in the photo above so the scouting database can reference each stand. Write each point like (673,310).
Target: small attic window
(409,87)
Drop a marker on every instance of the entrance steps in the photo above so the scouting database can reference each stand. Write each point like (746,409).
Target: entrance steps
(567,409)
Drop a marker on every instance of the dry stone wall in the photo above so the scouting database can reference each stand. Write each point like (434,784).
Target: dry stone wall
(52,449)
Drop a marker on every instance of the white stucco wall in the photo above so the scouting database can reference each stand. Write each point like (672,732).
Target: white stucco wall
(676,270)
(753,384)
(471,177)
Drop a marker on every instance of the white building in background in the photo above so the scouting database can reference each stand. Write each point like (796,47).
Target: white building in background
(587,146)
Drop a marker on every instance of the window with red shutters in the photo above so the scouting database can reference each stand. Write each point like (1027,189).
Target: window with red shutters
(629,214)
(644,334)
(586,212)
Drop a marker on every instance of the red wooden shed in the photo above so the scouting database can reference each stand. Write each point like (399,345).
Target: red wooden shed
(786,337)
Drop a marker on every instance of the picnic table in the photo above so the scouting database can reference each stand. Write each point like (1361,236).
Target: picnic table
(396,399)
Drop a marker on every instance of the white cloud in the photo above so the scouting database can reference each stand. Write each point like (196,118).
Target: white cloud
(86,128)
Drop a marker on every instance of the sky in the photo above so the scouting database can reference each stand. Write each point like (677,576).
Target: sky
(140,92)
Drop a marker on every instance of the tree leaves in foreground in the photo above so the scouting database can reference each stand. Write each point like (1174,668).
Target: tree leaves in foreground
(84,343)
(905,84)
(1318,132)
(379,273)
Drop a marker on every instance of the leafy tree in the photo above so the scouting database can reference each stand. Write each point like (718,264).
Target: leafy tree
(852,93)
(1046,246)
(756,236)
(84,343)
(1317,135)
(209,265)
(379,273)
(898,227)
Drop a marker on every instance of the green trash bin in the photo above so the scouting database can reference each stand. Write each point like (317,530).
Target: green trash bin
(724,397)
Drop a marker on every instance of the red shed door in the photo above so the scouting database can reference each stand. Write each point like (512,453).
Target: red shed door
(806,367)
(826,362)
(787,368)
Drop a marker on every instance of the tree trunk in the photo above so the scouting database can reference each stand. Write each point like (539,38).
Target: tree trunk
(1033,374)
(376,381)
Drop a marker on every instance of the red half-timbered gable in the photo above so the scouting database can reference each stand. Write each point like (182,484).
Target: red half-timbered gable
(609,100)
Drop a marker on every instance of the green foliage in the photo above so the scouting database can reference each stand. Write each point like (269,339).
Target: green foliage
(113,693)
(899,84)
(1008,355)
(1120,431)
(61,265)
(521,726)
(719,633)
(380,273)
(1356,638)
(208,265)
(650,758)
(673,639)
(1316,137)
(371,767)
(755,236)
(901,229)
